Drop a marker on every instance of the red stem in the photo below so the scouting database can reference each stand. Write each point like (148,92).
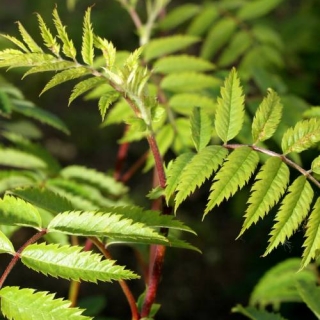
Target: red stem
(126,290)
(17,255)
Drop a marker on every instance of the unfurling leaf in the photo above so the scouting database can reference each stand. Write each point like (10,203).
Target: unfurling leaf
(267,117)
(21,304)
(69,262)
(230,109)
(87,39)
(304,135)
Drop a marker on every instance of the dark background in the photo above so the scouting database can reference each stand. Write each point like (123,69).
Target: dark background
(194,286)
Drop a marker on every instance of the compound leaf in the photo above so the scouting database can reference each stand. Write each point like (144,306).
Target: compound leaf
(270,184)
(267,117)
(69,262)
(233,175)
(200,168)
(201,128)
(230,109)
(304,134)
(87,39)
(294,208)
(312,242)
(14,211)
(21,304)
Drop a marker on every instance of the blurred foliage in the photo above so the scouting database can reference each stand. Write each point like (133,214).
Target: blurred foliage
(282,51)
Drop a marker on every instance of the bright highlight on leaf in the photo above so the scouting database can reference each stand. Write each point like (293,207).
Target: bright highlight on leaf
(267,117)
(21,304)
(230,109)
(87,39)
(5,244)
(69,262)
(294,208)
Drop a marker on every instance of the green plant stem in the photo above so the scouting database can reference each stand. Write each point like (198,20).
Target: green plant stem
(286,160)
(17,255)
(127,292)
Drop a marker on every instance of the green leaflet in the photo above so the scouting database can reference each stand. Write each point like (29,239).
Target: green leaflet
(276,285)
(34,149)
(310,294)
(68,47)
(230,109)
(69,262)
(200,168)
(270,184)
(17,42)
(256,314)
(10,179)
(108,51)
(64,76)
(5,244)
(160,47)
(43,198)
(208,14)
(239,43)
(181,63)
(85,86)
(5,104)
(30,110)
(106,101)
(174,172)
(256,9)
(189,82)
(233,175)
(218,36)
(22,304)
(96,178)
(267,117)
(28,39)
(304,134)
(178,15)
(312,242)
(267,35)
(14,211)
(183,103)
(87,50)
(315,165)
(27,60)
(150,218)
(294,208)
(104,224)
(201,128)
(55,65)
(15,158)
(49,40)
